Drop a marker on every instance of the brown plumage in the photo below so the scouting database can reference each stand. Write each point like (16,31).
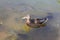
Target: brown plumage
(35,23)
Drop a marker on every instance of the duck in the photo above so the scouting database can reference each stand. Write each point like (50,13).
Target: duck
(35,22)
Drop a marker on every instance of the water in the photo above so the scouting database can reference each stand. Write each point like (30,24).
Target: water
(12,11)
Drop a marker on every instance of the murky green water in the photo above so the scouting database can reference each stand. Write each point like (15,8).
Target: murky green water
(11,12)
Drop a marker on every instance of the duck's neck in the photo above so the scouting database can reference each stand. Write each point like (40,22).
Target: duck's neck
(28,20)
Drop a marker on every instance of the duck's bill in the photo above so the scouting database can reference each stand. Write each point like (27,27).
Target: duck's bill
(23,17)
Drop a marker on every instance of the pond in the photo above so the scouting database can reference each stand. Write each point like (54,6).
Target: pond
(13,27)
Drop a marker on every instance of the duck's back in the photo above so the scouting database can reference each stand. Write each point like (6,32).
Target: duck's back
(32,21)
(36,21)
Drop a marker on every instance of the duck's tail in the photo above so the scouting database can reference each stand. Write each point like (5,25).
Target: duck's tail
(46,19)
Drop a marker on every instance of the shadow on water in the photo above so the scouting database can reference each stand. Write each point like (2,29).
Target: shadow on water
(47,33)
(50,16)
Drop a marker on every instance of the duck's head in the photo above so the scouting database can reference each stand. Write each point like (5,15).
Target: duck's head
(26,17)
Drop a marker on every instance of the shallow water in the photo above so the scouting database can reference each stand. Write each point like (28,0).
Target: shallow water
(12,11)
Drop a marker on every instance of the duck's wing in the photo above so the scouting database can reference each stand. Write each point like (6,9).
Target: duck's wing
(32,21)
